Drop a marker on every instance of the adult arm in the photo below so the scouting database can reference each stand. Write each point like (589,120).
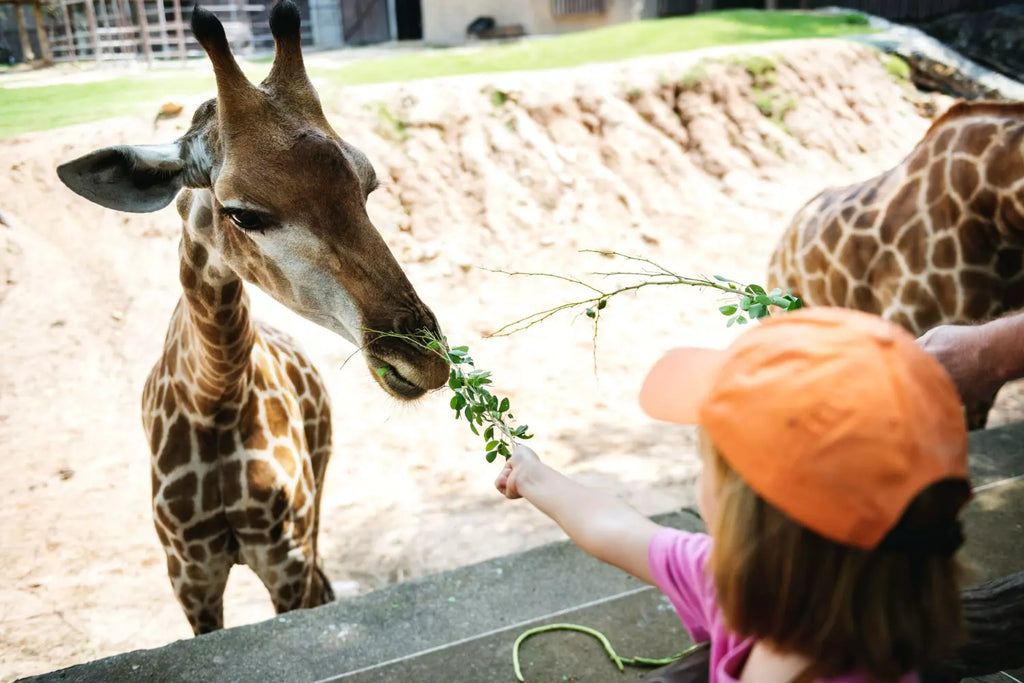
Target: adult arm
(979,358)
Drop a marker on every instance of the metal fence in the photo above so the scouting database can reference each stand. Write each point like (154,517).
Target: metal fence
(113,30)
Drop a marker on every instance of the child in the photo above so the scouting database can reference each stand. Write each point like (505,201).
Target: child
(835,466)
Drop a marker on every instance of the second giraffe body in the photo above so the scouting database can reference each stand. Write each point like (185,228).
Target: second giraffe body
(936,239)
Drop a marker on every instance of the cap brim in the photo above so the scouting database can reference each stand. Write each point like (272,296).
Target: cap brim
(678,384)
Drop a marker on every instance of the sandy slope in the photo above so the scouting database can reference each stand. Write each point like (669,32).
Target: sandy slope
(654,157)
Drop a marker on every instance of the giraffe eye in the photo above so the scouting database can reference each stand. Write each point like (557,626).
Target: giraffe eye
(246,220)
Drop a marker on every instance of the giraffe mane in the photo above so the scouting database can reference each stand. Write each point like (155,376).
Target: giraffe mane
(964,108)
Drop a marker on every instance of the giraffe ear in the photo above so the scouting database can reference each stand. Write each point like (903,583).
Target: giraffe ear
(138,179)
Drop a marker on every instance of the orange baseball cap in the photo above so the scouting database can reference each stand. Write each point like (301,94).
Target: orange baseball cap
(835,417)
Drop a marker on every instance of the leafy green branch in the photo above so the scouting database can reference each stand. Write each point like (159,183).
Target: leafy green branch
(488,415)
(749,301)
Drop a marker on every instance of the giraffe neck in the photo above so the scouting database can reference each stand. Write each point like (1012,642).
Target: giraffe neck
(211,331)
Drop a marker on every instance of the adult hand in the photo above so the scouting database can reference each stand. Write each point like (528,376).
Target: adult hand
(968,355)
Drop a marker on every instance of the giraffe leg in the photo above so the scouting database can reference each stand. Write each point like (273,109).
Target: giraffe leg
(199,587)
(290,574)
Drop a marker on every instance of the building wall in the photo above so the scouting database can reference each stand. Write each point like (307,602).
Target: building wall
(445,21)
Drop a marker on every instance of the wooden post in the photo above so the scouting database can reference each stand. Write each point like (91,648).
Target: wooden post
(127,25)
(44,41)
(179,23)
(26,47)
(162,22)
(69,30)
(90,16)
(147,49)
(705,5)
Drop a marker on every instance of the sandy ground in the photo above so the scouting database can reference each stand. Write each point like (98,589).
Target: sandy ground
(657,158)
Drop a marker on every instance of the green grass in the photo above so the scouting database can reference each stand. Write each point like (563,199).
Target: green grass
(45,107)
(609,44)
(52,106)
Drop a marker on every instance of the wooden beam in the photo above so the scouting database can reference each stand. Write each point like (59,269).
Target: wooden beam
(94,38)
(69,30)
(161,18)
(26,47)
(180,23)
(147,48)
(44,40)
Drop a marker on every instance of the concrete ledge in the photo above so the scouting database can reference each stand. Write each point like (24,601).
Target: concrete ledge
(459,626)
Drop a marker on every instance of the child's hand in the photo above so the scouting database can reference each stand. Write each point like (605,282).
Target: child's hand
(522,459)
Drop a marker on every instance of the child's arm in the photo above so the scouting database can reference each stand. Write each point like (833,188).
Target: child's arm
(602,525)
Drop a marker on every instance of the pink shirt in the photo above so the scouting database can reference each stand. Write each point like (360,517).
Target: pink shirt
(677,559)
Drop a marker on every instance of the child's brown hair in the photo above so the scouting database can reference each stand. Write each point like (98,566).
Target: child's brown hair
(883,612)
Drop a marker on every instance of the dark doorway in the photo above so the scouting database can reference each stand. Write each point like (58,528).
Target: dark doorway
(365,21)
(409,17)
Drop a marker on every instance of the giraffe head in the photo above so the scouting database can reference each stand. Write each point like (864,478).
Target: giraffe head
(275,195)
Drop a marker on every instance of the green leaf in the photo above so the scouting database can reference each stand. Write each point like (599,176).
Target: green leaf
(758,311)
(601,304)
(781,301)
(591,313)
(775,292)
(741,320)
(727,310)
(382,371)
(454,403)
(463,349)
(504,405)
(721,278)
(489,432)
(755,289)
(503,449)
(491,455)
(797,304)
(745,303)
(455,382)
(473,427)
(491,445)
(763,299)
(732,321)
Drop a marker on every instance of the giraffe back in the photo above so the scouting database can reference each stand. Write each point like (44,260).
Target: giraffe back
(935,239)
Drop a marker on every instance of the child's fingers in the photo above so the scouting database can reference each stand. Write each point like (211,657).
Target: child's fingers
(501,483)
(505,483)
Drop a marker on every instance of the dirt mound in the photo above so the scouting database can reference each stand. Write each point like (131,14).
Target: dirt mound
(694,161)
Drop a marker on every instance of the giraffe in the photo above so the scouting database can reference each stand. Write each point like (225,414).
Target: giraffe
(936,239)
(237,417)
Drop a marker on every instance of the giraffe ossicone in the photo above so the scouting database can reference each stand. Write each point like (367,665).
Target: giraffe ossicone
(936,239)
(237,417)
